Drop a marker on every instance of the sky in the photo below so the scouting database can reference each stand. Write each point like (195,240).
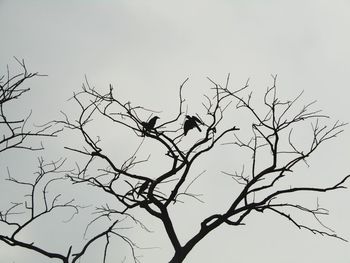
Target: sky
(146,49)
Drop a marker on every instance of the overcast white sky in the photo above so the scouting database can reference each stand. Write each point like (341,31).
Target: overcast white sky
(147,48)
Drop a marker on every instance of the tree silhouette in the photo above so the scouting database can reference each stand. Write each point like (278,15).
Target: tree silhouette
(268,136)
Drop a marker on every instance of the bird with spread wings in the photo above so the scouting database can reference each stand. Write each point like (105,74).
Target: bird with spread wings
(190,123)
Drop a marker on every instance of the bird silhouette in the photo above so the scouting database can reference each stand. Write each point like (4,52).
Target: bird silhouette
(190,123)
(143,188)
(148,126)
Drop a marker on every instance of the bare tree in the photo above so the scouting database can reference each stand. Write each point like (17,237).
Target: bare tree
(262,187)
(274,150)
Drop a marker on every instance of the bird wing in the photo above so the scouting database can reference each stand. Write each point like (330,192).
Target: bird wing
(152,122)
(187,126)
(145,125)
(196,125)
(143,187)
(196,119)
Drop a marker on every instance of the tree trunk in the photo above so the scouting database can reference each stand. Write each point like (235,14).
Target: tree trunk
(178,257)
(181,254)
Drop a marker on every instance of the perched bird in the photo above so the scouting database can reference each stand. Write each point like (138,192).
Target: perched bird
(190,123)
(148,126)
(143,188)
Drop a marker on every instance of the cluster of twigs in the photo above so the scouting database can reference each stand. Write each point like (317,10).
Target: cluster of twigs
(14,132)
